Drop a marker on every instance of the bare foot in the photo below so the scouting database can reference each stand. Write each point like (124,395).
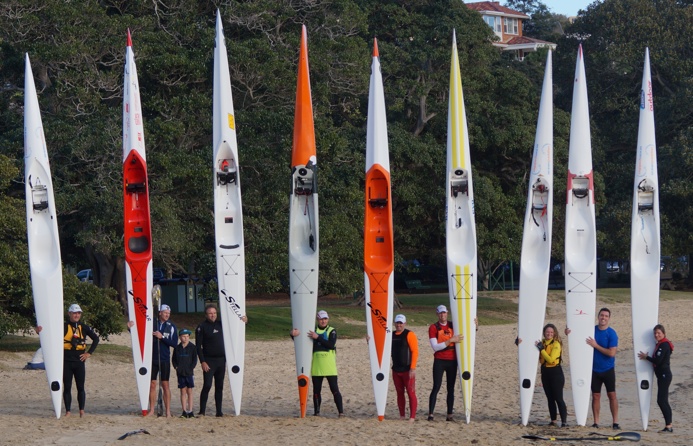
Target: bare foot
(402,418)
(81,413)
(149,412)
(411,420)
(168,414)
(67,414)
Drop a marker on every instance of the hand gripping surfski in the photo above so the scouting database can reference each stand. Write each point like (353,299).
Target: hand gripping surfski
(378,245)
(460,230)
(645,244)
(44,245)
(536,247)
(138,232)
(580,246)
(303,226)
(228,221)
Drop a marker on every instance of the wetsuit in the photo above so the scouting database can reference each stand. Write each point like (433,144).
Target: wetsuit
(405,353)
(444,361)
(75,345)
(660,359)
(325,366)
(552,378)
(161,349)
(210,349)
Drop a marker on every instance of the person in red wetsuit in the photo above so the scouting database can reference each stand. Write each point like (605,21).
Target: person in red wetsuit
(405,354)
(443,338)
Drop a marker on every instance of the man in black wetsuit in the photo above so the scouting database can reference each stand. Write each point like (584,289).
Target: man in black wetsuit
(209,338)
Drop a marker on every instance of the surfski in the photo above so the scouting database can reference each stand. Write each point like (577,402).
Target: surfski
(138,232)
(378,245)
(580,246)
(303,226)
(44,245)
(645,245)
(460,231)
(228,221)
(535,260)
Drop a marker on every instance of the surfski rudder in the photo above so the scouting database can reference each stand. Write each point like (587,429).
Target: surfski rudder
(228,220)
(645,245)
(378,245)
(44,245)
(580,246)
(138,232)
(460,230)
(535,260)
(303,226)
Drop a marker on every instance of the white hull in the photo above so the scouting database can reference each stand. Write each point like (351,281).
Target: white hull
(133,139)
(461,234)
(580,247)
(44,245)
(645,246)
(228,221)
(535,261)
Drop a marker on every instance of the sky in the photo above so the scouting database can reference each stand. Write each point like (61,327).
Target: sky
(566,7)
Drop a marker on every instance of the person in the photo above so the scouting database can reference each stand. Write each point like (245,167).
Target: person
(210,351)
(660,361)
(442,339)
(324,361)
(185,361)
(605,344)
(164,333)
(405,354)
(76,354)
(552,378)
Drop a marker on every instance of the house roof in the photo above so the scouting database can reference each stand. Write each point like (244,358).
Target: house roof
(522,40)
(495,7)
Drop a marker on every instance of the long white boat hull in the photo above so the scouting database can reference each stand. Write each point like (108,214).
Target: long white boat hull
(645,245)
(536,247)
(228,221)
(461,234)
(141,345)
(44,245)
(580,247)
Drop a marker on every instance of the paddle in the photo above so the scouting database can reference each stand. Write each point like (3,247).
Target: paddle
(623,436)
(138,431)
(156,295)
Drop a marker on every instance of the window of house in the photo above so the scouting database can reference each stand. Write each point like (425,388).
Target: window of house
(510,26)
(493,22)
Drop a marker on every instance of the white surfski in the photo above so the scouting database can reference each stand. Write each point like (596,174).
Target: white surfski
(303,226)
(44,246)
(460,230)
(379,250)
(228,221)
(645,245)
(580,247)
(138,247)
(535,261)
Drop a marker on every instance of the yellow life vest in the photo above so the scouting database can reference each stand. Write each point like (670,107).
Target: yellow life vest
(74,340)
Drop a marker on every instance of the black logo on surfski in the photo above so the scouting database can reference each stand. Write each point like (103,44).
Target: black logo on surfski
(379,317)
(140,306)
(232,304)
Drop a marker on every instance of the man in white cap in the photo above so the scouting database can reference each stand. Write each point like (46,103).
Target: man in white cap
(76,354)
(443,338)
(324,361)
(405,354)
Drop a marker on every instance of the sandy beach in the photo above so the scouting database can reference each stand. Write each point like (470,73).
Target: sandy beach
(270,398)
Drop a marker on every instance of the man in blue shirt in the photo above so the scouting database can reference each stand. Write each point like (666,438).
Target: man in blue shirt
(605,344)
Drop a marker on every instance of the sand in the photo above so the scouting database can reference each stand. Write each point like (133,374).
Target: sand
(270,398)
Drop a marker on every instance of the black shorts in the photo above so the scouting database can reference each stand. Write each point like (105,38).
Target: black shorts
(165,370)
(186,381)
(607,378)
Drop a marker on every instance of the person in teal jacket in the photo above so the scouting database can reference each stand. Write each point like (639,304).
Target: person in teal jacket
(324,361)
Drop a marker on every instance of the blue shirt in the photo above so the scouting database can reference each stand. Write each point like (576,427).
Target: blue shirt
(606,339)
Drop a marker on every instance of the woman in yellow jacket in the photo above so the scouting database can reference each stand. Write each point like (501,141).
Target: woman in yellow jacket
(551,373)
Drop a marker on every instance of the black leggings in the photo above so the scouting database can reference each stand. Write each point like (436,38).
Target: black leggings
(217,371)
(450,369)
(77,370)
(553,381)
(663,397)
(334,388)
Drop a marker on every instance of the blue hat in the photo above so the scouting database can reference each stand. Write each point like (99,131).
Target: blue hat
(185,331)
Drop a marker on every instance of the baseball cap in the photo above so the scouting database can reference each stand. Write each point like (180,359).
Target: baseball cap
(441,309)
(322,314)
(74,308)
(164,307)
(185,331)
(401,318)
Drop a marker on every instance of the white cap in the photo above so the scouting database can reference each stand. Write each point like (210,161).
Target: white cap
(401,318)
(322,314)
(74,308)
(164,307)
(441,309)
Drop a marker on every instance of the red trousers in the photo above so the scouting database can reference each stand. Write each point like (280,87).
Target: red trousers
(402,382)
